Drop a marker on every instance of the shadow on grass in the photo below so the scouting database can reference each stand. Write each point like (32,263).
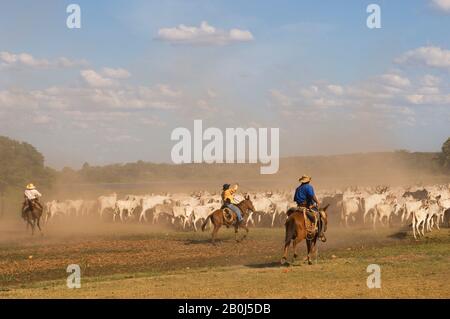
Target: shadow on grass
(202,241)
(399,235)
(273,264)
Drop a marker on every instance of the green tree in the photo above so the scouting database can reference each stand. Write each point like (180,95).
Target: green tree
(445,155)
(21,163)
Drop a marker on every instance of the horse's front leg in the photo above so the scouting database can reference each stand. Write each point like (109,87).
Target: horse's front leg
(246,230)
(236,233)
(285,253)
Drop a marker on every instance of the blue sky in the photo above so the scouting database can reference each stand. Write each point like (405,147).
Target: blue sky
(311,68)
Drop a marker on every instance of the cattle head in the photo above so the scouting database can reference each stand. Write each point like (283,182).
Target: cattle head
(323,213)
(324,209)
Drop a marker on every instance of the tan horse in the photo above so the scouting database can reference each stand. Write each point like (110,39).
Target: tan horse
(33,217)
(296,232)
(219,218)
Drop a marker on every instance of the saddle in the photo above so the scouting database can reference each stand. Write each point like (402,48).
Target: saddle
(312,218)
(30,205)
(228,216)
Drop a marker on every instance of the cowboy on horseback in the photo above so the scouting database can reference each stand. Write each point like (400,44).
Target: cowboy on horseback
(31,196)
(305,197)
(229,201)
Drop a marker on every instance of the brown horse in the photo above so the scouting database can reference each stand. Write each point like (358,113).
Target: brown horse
(296,232)
(32,215)
(218,219)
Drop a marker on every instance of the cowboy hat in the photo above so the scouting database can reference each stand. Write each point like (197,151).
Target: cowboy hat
(30,186)
(304,179)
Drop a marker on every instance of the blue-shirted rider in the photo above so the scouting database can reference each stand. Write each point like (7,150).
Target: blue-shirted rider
(306,197)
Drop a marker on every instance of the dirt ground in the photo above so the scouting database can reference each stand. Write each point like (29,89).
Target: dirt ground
(141,261)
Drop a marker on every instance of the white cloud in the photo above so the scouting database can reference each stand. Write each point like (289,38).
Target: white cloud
(96,80)
(11,59)
(310,91)
(41,119)
(116,73)
(282,99)
(211,93)
(205,106)
(415,98)
(429,90)
(336,89)
(430,80)
(152,121)
(8,59)
(122,138)
(430,56)
(442,5)
(395,80)
(429,99)
(166,90)
(240,35)
(388,96)
(204,34)
(92,98)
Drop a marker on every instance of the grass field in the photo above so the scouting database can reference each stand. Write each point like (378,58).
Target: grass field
(135,261)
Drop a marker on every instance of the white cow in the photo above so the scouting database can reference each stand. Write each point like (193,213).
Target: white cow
(419,218)
(149,202)
(106,202)
(263,205)
(87,207)
(350,208)
(123,206)
(435,213)
(383,213)
(56,207)
(202,212)
(74,206)
(409,207)
(280,207)
(370,202)
(181,213)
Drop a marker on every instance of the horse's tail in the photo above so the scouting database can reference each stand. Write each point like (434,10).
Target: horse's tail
(206,221)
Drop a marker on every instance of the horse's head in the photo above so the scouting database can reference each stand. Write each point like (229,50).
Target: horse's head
(323,212)
(247,205)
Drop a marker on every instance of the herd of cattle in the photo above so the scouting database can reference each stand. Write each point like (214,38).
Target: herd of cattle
(424,208)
